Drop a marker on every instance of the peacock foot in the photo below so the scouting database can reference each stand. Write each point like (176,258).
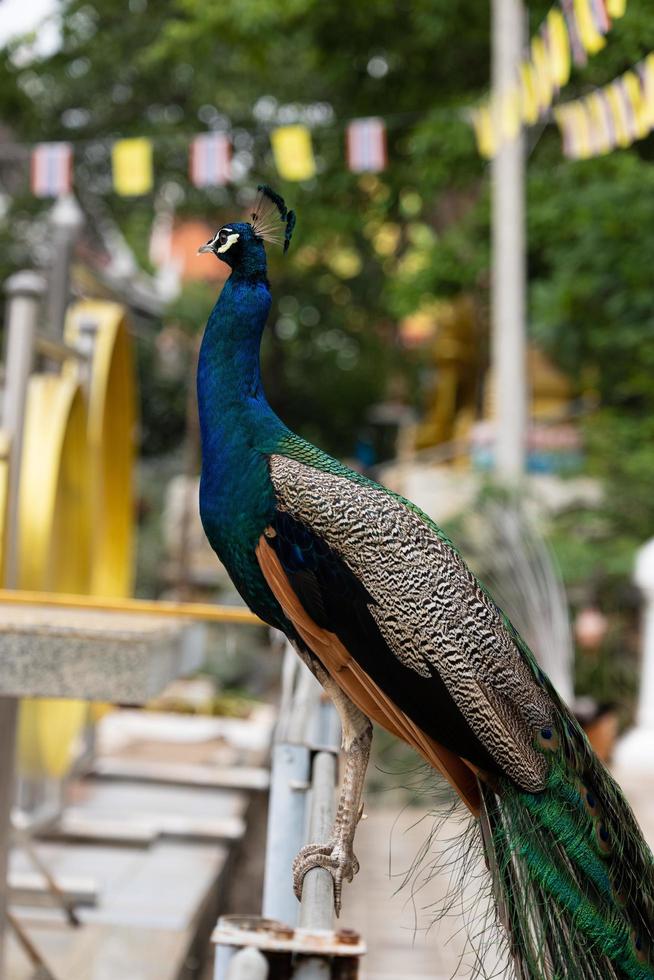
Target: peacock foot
(336,856)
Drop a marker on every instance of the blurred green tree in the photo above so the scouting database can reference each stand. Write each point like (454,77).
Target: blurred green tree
(370,249)
(172,69)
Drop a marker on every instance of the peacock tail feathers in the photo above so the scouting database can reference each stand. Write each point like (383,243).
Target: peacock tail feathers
(572,877)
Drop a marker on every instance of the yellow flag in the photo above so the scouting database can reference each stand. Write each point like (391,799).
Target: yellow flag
(602,137)
(581,123)
(484,134)
(558,45)
(621,122)
(542,73)
(590,37)
(574,123)
(634,94)
(293,152)
(528,96)
(616,8)
(131,162)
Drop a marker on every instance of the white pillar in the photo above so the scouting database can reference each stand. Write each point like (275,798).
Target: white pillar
(508,272)
(24,293)
(636,749)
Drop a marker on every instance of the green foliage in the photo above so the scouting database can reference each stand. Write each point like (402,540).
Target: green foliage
(596,546)
(172,69)
(367,250)
(592,255)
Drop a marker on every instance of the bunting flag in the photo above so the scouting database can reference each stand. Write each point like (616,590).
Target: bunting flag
(366,145)
(51,169)
(210,160)
(601,15)
(542,74)
(590,34)
(293,152)
(558,47)
(131,161)
(613,116)
(601,124)
(635,98)
(569,33)
(576,47)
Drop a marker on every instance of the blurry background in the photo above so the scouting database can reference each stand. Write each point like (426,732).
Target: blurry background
(378,347)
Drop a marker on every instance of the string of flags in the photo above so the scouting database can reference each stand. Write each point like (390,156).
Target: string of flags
(569,33)
(615,115)
(210,159)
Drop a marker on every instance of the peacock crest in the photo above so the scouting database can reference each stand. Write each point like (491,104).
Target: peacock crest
(271,220)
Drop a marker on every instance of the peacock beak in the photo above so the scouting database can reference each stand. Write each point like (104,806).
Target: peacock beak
(205,248)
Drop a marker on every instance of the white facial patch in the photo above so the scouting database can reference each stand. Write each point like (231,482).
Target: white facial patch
(230,241)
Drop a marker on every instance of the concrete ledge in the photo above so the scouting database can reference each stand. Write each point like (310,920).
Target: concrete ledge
(126,659)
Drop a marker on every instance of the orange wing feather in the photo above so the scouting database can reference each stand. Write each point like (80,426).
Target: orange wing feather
(360,688)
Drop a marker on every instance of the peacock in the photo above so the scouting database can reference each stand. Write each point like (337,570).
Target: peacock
(381,607)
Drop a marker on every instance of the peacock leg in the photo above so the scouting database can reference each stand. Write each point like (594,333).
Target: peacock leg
(337,853)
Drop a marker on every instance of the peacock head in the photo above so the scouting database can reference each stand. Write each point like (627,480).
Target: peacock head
(238,242)
(232,243)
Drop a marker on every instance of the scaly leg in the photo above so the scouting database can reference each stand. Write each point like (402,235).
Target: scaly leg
(337,854)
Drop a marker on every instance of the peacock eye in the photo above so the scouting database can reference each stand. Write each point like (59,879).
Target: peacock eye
(222,238)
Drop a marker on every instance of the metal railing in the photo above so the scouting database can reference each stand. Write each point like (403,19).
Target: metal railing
(304,773)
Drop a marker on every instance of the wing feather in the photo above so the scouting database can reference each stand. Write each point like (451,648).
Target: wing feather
(359,686)
(429,611)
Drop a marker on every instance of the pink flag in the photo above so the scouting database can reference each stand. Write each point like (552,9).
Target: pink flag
(51,171)
(366,145)
(578,51)
(600,16)
(210,163)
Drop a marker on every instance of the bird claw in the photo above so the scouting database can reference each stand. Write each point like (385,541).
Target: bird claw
(336,856)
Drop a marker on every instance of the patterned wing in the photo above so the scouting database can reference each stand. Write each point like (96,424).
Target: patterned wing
(404,605)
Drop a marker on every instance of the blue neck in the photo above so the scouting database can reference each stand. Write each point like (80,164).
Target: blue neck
(234,413)
(228,367)
(239,430)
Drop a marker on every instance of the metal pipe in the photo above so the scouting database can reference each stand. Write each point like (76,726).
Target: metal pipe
(289,781)
(312,968)
(55,350)
(66,221)
(24,294)
(508,343)
(302,724)
(289,778)
(317,906)
(247,964)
